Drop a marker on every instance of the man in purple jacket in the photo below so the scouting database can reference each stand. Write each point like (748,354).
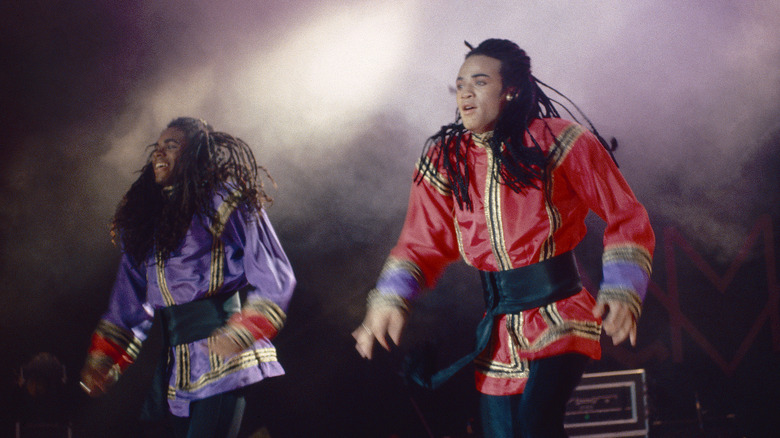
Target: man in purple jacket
(195,239)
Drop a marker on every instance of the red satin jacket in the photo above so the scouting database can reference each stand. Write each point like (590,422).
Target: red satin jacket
(508,230)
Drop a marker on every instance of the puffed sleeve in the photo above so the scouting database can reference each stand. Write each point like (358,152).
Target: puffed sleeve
(125,325)
(268,272)
(629,240)
(427,243)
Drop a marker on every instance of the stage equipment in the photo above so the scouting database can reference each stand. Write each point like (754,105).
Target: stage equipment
(609,404)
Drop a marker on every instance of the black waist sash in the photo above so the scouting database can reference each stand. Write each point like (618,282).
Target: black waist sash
(182,324)
(196,320)
(510,291)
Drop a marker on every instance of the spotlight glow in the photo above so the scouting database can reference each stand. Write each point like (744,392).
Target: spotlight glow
(327,74)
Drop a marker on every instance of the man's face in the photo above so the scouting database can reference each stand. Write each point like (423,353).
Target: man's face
(166,154)
(480,93)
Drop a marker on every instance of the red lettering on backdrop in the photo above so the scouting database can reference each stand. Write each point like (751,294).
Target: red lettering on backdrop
(669,299)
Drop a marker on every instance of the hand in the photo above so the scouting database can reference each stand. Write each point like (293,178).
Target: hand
(379,323)
(619,322)
(97,379)
(225,345)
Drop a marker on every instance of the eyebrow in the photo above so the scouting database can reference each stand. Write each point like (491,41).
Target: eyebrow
(170,140)
(476,75)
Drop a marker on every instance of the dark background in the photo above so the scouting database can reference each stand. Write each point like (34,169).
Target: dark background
(337,98)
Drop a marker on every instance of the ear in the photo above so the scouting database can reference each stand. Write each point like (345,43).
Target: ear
(511,93)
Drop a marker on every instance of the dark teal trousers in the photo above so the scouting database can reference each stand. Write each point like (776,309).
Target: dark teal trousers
(539,411)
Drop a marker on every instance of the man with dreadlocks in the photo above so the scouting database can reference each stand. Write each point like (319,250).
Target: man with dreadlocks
(507,187)
(195,239)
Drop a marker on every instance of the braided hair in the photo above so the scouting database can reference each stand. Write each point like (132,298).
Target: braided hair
(151,217)
(520,166)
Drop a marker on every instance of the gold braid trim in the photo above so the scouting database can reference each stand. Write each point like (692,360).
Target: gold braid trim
(247,359)
(123,338)
(564,143)
(223,213)
(183,361)
(494,217)
(393,264)
(161,281)
(433,177)
(270,310)
(635,254)
(378,299)
(516,368)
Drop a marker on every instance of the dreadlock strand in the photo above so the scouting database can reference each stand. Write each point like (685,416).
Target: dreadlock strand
(610,147)
(442,151)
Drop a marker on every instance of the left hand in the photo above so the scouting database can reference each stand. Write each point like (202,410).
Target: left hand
(225,345)
(619,322)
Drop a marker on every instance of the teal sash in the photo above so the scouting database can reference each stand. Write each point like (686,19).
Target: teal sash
(510,291)
(182,324)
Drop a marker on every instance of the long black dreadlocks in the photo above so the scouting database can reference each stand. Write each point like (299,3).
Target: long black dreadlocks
(151,217)
(520,166)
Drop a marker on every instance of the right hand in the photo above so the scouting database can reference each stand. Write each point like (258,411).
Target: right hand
(379,323)
(97,379)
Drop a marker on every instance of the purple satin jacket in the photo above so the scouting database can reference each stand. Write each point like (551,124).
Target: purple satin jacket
(238,251)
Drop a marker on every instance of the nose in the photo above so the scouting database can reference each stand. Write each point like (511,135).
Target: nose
(466,91)
(159,151)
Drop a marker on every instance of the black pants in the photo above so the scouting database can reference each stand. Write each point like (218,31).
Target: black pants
(539,411)
(218,416)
